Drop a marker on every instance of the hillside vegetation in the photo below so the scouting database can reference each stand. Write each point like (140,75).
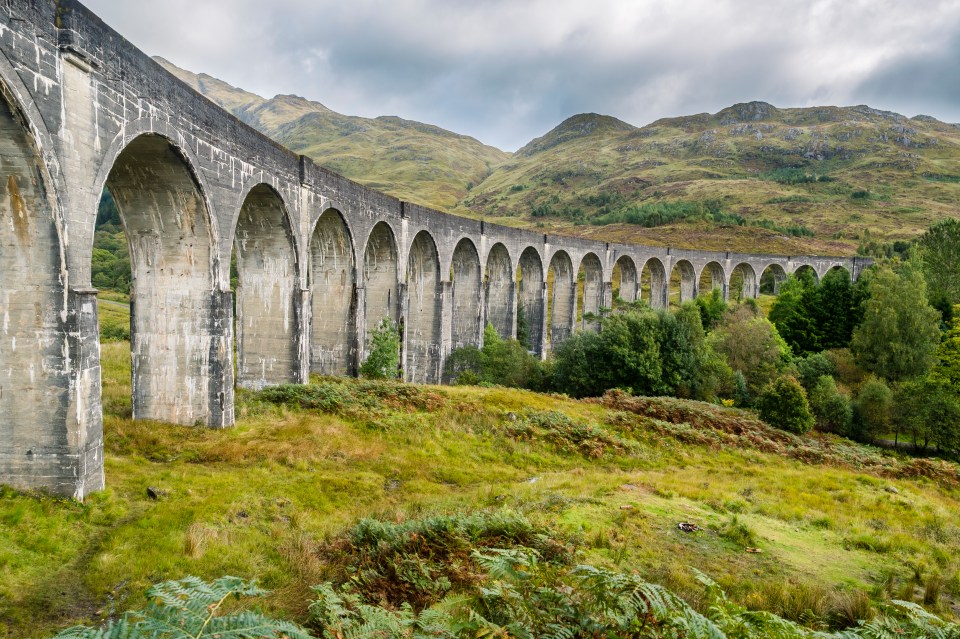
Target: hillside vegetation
(410,160)
(815,528)
(751,177)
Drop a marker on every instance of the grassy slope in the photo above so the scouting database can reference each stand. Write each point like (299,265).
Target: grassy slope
(257,499)
(413,161)
(910,166)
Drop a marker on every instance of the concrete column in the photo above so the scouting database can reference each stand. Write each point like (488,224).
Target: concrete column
(606,295)
(514,296)
(404,329)
(219,373)
(302,311)
(360,336)
(541,346)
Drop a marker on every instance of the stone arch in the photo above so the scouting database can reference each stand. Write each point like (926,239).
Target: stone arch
(591,297)
(684,278)
(625,280)
(838,267)
(717,279)
(653,277)
(422,320)
(806,270)
(333,329)
(466,291)
(380,281)
(743,282)
(500,285)
(266,322)
(51,433)
(771,277)
(561,298)
(530,299)
(177,314)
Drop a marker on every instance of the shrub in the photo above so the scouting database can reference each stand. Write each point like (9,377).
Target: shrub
(383,359)
(783,404)
(812,367)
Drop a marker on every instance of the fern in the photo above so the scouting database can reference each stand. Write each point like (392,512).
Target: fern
(189,609)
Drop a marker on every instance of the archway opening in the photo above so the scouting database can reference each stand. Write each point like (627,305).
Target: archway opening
(380,282)
(264,294)
(177,322)
(466,329)
(654,285)
(561,298)
(771,278)
(683,282)
(743,283)
(624,282)
(333,330)
(711,277)
(422,324)
(530,301)
(590,292)
(808,273)
(500,286)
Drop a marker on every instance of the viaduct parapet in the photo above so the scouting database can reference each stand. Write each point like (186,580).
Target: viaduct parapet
(322,260)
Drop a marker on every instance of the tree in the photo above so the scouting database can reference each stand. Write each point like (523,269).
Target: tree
(792,314)
(898,337)
(383,359)
(830,407)
(812,367)
(751,346)
(712,308)
(947,367)
(939,251)
(783,404)
(872,410)
(836,308)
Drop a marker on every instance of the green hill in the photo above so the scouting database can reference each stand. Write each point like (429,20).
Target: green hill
(410,160)
(751,177)
(768,177)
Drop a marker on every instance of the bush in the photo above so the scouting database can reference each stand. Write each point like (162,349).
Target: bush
(500,361)
(812,367)
(783,404)
(830,407)
(383,359)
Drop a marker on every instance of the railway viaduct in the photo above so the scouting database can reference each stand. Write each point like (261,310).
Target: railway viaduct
(321,260)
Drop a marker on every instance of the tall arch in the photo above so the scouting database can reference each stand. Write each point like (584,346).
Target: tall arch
(591,298)
(333,331)
(653,278)
(530,299)
(51,434)
(176,313)
(500,286)
(712,277)
(624,279)
(266,321)
(466,327)
(743,282)
(422,321)
(380,280)
(771,278)
(684,277)
(562,298)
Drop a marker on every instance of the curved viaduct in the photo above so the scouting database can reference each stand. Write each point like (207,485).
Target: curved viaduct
(321,259)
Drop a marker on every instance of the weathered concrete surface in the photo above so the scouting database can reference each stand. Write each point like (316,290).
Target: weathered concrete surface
(321,259)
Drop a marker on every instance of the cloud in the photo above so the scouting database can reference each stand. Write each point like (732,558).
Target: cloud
(506,71)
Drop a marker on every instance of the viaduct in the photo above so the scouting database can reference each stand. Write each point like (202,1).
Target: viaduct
(322,260)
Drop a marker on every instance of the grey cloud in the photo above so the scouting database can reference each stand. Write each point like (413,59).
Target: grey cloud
(507,71)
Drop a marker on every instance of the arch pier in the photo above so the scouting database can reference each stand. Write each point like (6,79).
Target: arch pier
(321,260)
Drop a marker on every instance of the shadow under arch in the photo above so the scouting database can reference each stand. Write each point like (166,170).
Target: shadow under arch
(423,356)
(561,298)
(333,327)
(381,284)
(266,307)
(590,272)
(684,278)
(531,315)
(500,285)
(466,293)
(653,278)
(624,279)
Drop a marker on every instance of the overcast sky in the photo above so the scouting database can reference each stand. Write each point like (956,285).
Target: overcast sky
(506,71)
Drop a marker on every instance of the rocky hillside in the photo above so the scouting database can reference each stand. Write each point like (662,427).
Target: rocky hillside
(751,177)
(410,160)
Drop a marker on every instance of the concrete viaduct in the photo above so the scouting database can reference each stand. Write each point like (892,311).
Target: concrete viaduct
(321,259)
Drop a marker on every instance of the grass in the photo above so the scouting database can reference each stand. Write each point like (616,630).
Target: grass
(267,498)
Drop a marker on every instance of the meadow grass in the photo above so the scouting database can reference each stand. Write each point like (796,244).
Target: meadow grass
(258,500)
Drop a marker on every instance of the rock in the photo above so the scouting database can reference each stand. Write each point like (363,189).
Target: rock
(892,489)
(155,493)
